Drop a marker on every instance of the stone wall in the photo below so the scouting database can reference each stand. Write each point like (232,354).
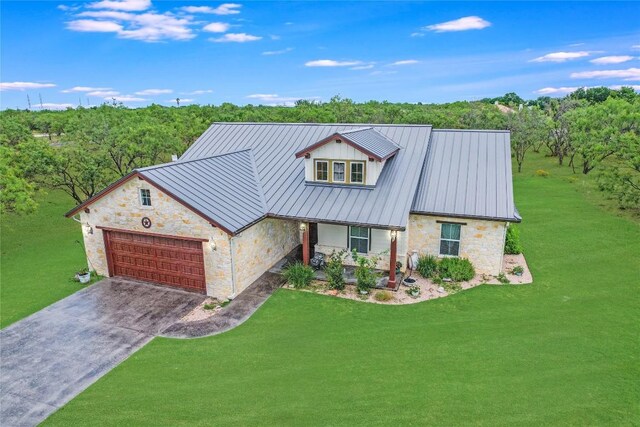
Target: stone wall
(121,209)
(260,246)
(481,241)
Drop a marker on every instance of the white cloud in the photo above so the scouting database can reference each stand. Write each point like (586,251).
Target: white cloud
(417,34)
(199,92)
(103,93)
(560,56)
(618,87)
(84,89)
(612,59)
(405,62)
(555,90)
(331,63)
(635,47)
(462,24)
(382,73)
(277,52)
(628,74)
(125,98)
(235,38)
(182,100)
(216,27)
(148,27)
(24,85)
(128,5)
(52,106)
(153,92)
(273,99)
(223,9)
(362,67)
(92,26)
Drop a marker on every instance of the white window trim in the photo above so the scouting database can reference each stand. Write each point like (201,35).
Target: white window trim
(355,162)
(315,170)
(140,198)
(368,239)
(441,255)
(333,176)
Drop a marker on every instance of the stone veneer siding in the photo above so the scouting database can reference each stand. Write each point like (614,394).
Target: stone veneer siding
(481,241)
(121,209)
(260,246)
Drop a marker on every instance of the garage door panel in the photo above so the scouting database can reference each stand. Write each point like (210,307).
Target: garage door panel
(166,260)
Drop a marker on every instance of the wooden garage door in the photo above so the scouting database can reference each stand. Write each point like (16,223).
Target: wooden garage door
(166,260)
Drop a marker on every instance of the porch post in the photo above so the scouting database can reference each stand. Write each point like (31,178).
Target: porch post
(306,250)
(393,256)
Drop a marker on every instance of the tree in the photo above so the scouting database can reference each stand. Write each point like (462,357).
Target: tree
(16,192)
(560,141)
(528,126)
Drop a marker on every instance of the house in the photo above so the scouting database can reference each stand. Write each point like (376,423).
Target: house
(246,194)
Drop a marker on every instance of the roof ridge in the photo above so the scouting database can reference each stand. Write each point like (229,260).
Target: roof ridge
(179,162)
(326,124)
(258,182)
(357,130)
(474,130)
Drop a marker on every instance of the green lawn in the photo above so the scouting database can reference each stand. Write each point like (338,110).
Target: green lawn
(562,351)
(39,256)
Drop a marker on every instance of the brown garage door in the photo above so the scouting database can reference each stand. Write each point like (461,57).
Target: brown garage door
(167,260)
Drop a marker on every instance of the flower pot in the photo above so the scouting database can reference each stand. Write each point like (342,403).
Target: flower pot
(519,273)
(415,294)
(84,278)
(409,281)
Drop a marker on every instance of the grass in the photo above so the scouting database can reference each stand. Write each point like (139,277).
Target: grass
(563,351)
(39,257)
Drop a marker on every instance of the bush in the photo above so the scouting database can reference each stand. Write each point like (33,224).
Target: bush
(334,270)
(365,275)
(299,275)
(383,296)
(456,269)
(427,266)
(512,244)
(518,269)
(502,278)
(543,173)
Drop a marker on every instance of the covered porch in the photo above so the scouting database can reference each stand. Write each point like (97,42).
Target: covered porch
(324,238)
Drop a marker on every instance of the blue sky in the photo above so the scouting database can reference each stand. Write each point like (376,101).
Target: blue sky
(144,51)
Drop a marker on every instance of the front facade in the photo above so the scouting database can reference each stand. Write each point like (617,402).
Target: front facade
(245,195)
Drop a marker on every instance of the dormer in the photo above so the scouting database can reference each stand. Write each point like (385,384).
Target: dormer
(352,158)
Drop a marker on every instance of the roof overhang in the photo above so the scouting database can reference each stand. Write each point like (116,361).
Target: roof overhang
(137,174)
(347,141)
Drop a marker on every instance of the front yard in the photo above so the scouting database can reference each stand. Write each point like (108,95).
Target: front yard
(561,351)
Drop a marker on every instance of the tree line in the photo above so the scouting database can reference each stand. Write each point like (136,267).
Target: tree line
(82,150)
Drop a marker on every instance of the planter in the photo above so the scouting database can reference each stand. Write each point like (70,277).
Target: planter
(409,281)
(518,273)
(84,278)
(414,294)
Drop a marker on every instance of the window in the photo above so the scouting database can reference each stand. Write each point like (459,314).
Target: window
(145,197)
(450,239)
(359,239)
(338,171)
(357,172)
(322,170)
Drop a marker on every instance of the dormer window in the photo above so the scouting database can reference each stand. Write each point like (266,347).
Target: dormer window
(322,170)
(357,172)
(339,172)
(351,157)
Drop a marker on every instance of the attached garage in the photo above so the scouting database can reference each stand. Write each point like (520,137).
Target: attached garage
(168,260)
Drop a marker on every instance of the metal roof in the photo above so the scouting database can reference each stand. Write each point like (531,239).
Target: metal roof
(467,174)
(224,187)
(372,141)
(281,174)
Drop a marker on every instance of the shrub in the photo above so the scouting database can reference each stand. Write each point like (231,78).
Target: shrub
(456,269)
(543,173)
(383,296)
(452,287)
(512,244)
(518,269)
(365,275)
(334,269)
(427,266)
(503,279)
(299,275)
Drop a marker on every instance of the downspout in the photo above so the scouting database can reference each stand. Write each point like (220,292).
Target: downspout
(232,248)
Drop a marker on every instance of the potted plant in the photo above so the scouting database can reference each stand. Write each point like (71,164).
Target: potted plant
(83,275)
(414,291)
(398,267)
(518,270)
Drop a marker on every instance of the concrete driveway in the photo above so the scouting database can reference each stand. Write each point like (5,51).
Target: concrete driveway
(54,354)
